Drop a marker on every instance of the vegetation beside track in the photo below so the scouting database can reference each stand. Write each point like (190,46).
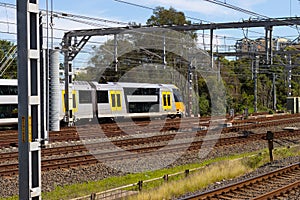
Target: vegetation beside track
(221,168)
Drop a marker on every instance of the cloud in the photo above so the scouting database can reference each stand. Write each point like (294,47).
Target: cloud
(187,5)
(203,7)
(246,4)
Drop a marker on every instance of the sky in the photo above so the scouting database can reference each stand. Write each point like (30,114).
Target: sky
(193,8)
(117,11)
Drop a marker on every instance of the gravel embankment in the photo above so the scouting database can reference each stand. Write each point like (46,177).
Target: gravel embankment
(99,171)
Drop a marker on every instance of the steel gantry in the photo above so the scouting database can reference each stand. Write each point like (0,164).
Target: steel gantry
(72,47)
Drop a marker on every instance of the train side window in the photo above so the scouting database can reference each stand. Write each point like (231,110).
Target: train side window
(9,111)
(141,91)
(8,90)
(74,101)
(113,100)
(85,96)
(102,96)
(118,100)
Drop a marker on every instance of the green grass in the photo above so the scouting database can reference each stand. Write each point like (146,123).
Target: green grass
(249,160)
(218,171)
(263,157)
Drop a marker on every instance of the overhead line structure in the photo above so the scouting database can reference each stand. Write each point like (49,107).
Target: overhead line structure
(72,46)
(87,33)
(190,27)
(290,52)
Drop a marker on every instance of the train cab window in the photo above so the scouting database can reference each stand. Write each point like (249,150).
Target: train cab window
(8,90)
(102,96)
(177,95)
(85,96)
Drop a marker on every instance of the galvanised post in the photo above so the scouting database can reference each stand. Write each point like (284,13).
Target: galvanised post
(29,106)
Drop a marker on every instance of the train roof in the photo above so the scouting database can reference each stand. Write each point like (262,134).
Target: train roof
(134,85)
(101,85)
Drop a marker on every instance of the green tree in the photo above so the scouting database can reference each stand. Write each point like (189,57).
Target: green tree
(103,56)
(162,16)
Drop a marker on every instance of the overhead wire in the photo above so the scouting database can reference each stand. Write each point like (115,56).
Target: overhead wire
(216,2)
(68,16)
(244,10)
(238,9)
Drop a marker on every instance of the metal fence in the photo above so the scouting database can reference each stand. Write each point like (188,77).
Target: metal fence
(134,188)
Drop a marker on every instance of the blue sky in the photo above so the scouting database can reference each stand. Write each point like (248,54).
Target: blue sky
(200,9)
(193,8)
(113,10)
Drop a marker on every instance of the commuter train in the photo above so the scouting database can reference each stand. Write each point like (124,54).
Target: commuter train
(104,100)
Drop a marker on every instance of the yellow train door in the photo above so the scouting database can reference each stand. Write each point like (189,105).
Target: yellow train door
(115,100)
(74,104)
(166,101)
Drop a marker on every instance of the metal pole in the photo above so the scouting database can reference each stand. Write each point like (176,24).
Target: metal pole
(44,86)
(255,83)
(190,89)
(267,44)
(211,47)
(197,93)
(116,52)
(289,78)
(164,51)
(54,91)
(29,108)
(274,92)
(270,46)
(68,97)
(219,70)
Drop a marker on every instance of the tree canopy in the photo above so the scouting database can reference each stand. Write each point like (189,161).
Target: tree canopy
(161,16)
(171,16)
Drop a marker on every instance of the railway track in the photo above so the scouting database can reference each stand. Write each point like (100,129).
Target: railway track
(130,145)
(10,138)
(277,184)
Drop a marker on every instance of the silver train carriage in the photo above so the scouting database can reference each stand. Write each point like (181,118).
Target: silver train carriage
(8,102)
(109,100)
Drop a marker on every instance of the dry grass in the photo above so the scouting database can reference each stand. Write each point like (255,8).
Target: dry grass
(196,181)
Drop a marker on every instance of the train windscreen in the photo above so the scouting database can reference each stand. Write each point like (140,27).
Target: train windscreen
(177,95)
